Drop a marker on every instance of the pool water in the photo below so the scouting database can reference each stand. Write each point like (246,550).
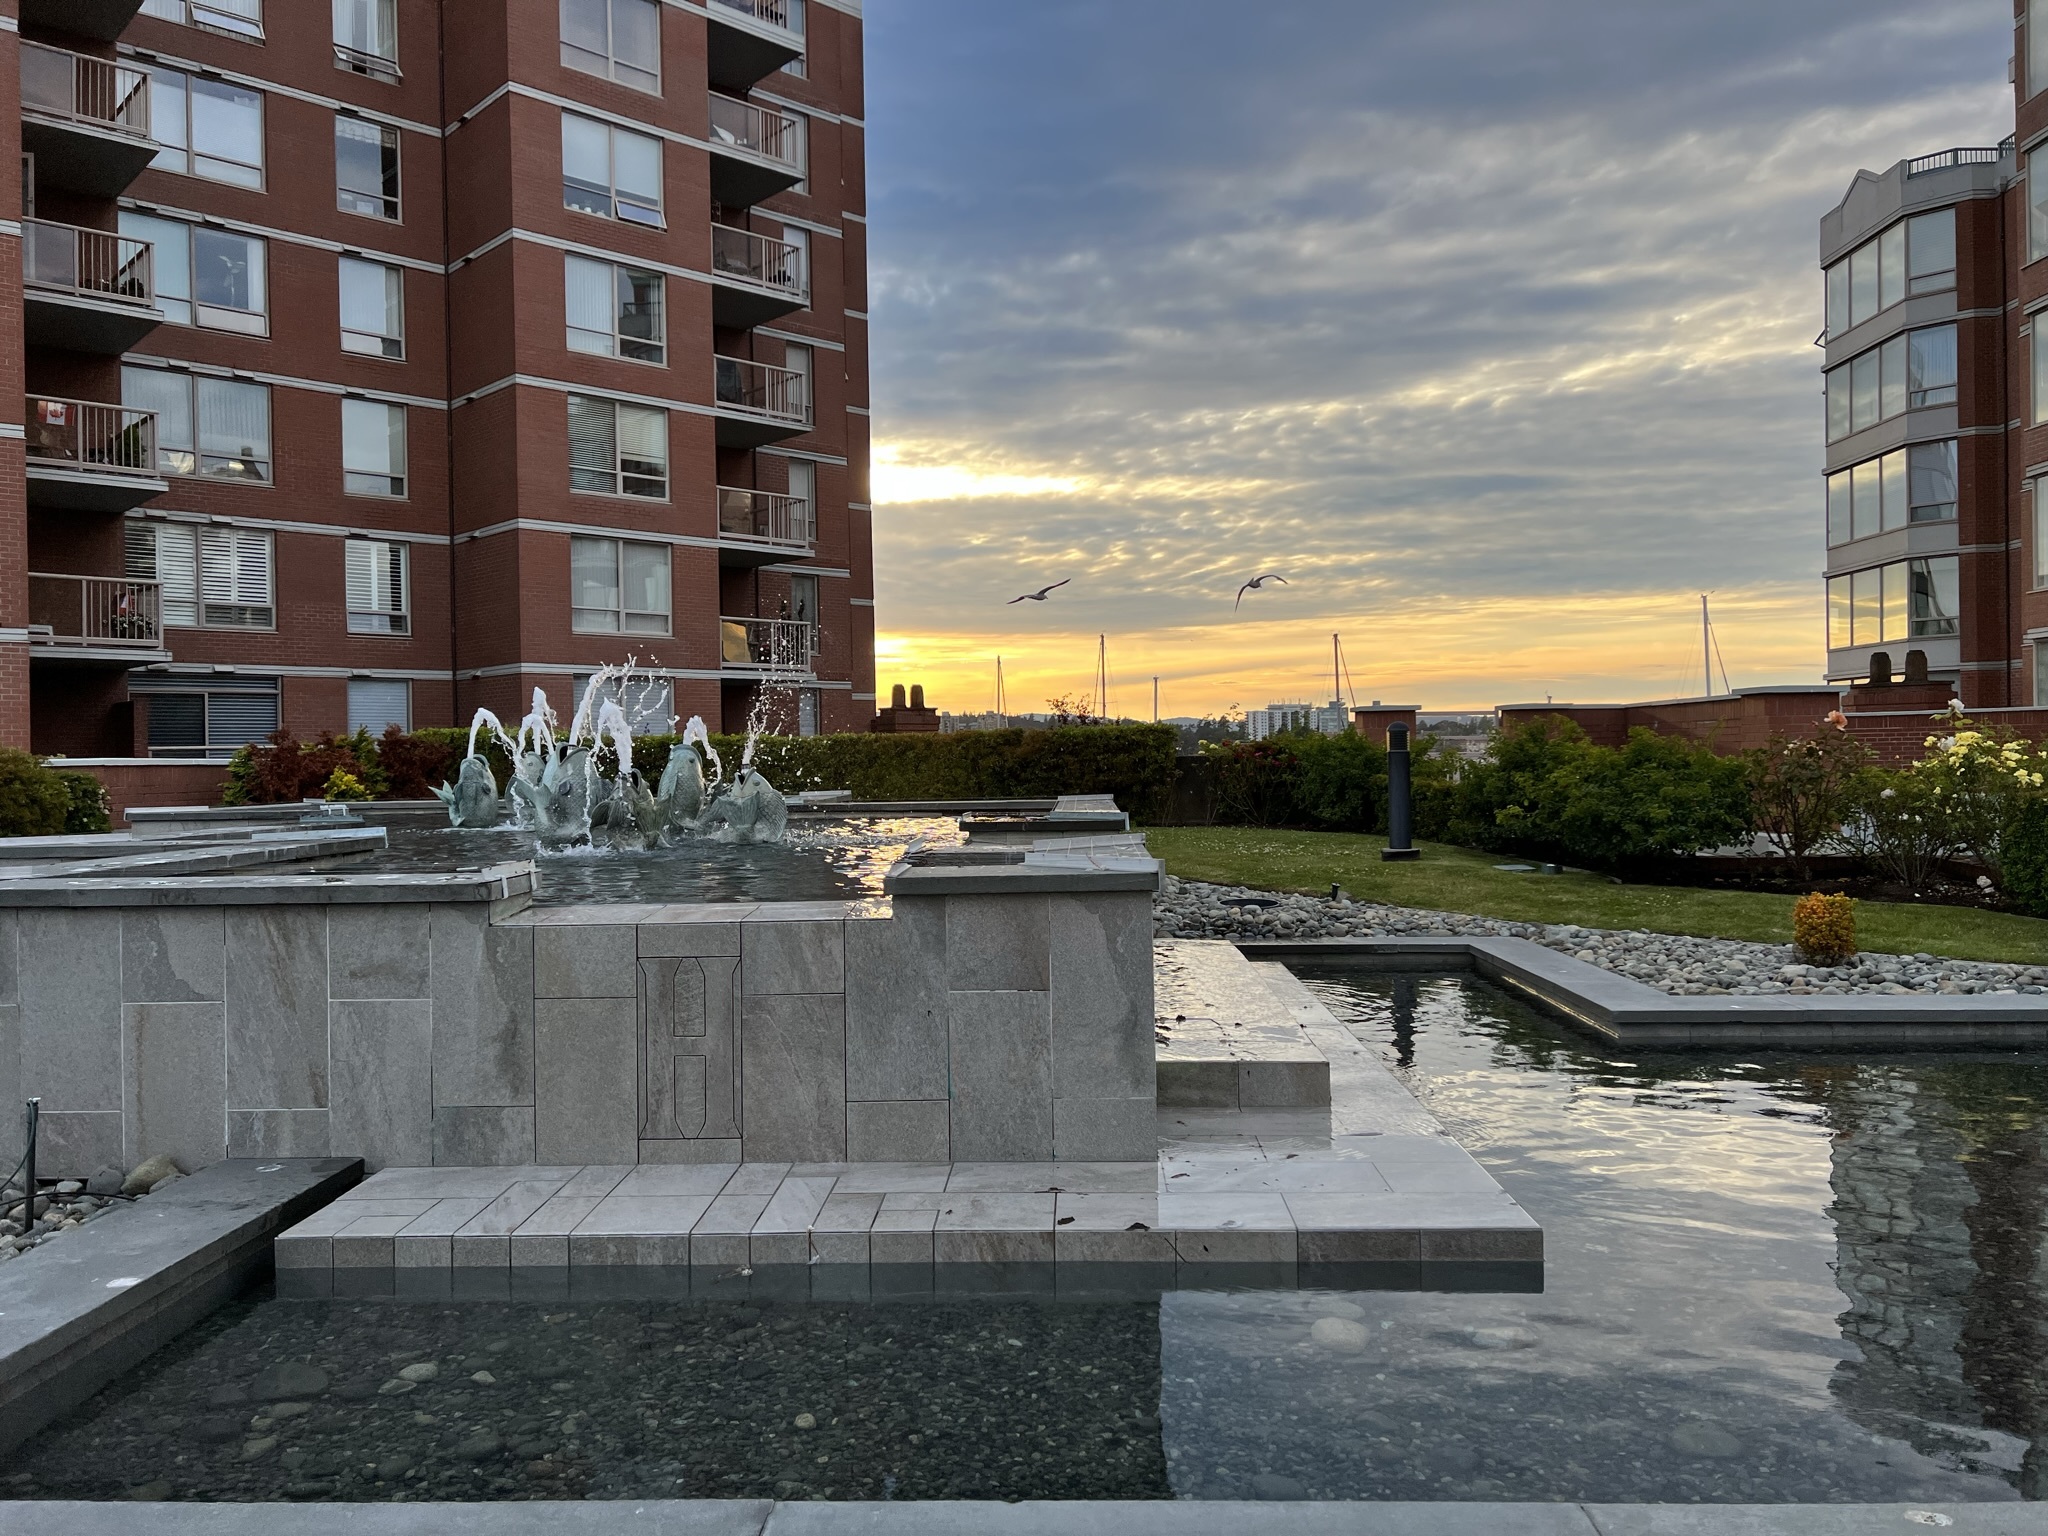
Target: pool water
(820,860)
(1769,1279)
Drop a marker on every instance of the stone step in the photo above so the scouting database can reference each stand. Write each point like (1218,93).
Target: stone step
(1224,1038)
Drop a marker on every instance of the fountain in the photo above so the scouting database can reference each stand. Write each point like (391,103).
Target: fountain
(559,792)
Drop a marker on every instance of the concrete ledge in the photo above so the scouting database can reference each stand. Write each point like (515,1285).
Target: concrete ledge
(499,882)
(1628,1012)
(81,1310)
(1037,1517)
(1048,873)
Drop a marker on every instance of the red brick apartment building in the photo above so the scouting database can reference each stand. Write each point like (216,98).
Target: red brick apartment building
(382,359)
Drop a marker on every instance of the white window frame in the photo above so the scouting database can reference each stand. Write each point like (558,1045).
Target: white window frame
(387,422)
(212,577)
(393,201)
(253,175)
(583,620)
(371,62)
(190,461)
(647,216)
(231,18)
(614,342)
(377,575)
(378,344)
(611,55)
(621,479)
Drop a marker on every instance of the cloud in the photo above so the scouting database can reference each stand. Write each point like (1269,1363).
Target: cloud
(1490,324)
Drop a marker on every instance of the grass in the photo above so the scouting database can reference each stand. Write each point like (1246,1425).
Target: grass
(1447,879)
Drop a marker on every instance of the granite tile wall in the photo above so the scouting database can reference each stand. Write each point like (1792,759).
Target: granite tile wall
(979,1028)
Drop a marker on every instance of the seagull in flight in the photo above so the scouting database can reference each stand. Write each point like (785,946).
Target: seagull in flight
(1039,595)
(1253,585)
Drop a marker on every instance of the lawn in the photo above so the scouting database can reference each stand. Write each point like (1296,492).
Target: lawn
(1447,879)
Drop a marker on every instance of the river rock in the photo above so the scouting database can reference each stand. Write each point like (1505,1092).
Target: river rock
(1707,1440)
(1341,1334)
(287,1379)
(148,1172)
(1276,1486)
(421,1370)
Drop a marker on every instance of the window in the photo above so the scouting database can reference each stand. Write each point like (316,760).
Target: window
(800,149)
(614,311)
(376,588)
(798,360)
(617,449)
(797,266)
(365,167)
(2037,346)
(618,39)
(611,172)
(372,308)
(1906,600)
(366,37)
(376,704)
(237,18)
(803,490)
(210,720)
(2037,204)
(1909,372)
(2040,651)
(218,427)
(649,704)
(807,712)
(1917,255)
(213,578)
(206,128)
(372,448)
(2037,48)
(2040,522)
(618,587)
(1907,485)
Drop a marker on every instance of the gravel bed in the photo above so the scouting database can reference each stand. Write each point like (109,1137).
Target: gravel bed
(1684,967)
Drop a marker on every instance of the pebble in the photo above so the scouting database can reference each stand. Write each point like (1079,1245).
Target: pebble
(397,1385)
(1676,964)
(1705,1440)
(147,1174)
(1271,1485)
(425,1370)
(288,1379)
(805,1421)
(260,1446)
(484,1379)
(1340,1333)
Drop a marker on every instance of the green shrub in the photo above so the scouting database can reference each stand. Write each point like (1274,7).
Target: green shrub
(1343,782)
(1802,791)
(1900,826)
(33,800)
(88,809)
(1258,784)
(2026,858)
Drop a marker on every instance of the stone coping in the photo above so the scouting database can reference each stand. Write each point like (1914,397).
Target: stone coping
(143,860)
(513,882)
(78,1311)
(1033,1517)
(1629,1012)
(1077,872)
(1223,1038)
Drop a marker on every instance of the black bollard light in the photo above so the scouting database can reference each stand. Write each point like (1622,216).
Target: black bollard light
(1400,799)
(31,1121)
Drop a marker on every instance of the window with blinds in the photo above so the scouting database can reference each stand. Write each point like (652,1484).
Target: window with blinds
(377,588)
(213,578)
(375,704)
(611,172)
(614,311)
(617,449)
(618,586)
(214,427)
(372,308)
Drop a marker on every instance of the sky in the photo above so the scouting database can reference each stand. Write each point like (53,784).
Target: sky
(1488,324)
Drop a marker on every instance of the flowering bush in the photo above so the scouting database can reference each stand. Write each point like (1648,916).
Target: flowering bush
(1801,791)
(1824,928)
(1978,782)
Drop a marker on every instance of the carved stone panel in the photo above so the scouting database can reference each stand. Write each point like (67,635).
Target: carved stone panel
(689,1049)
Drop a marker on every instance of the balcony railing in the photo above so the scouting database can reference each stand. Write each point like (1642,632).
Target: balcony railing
(767,645)
(375,65)
(762,131)
(84,434)
(96,610)
(1945,159)
(98,92)
(89,262)
(786,14)
(774,264)
(761,389)
(765,516)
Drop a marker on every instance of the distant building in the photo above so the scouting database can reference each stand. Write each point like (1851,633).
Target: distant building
(1332,719)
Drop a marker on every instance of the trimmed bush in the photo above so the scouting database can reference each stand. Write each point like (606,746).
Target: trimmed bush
(88,809)
(287,770)
(1824,928)
(2026,858)
(33,801)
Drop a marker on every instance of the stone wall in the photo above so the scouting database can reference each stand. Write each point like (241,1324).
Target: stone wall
(986,1027)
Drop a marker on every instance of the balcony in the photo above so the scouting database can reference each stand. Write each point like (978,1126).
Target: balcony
(86,289)
(756,151)
(766,648)
(754,278)
(761,527)
(758,403)
(96,620)
(85,120)
(747,40)
(100,20)
(87,457)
